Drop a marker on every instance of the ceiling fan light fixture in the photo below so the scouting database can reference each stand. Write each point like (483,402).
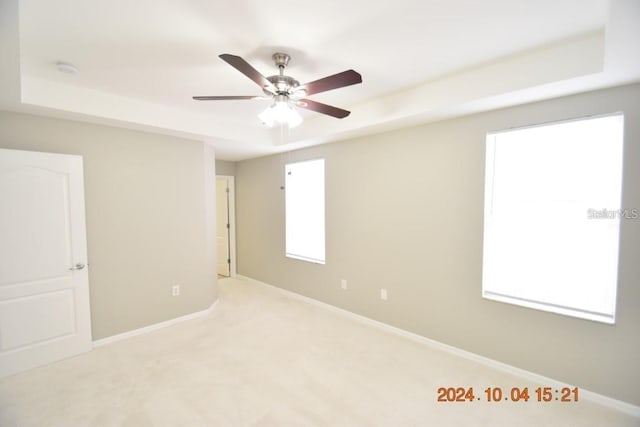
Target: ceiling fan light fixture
(287,92)
(280,112)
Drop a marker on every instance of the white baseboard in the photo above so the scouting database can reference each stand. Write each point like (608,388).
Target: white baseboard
(600,399)
(154,327)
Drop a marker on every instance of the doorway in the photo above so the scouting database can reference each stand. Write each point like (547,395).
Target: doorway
(225,226)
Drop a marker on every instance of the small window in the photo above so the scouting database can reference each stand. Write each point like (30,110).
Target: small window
(304,210)
(552,216)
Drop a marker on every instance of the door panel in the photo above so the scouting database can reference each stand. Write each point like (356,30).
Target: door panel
(222,226)
(31,198)
(53,311)
(44,303)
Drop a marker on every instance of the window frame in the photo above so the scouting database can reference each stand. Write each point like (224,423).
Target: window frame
(313,229)
(515,298)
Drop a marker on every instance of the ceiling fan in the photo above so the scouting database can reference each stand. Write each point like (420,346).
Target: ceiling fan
(286,92)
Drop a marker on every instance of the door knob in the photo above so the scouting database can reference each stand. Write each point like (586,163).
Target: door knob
(78,266)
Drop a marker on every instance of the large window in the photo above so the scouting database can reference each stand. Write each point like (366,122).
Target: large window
(304,204)
(552,216)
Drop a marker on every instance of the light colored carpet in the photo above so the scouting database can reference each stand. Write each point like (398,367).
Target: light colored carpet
(265,359)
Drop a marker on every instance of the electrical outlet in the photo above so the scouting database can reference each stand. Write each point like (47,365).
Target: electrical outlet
(343,284)
(175,290)
(383,294)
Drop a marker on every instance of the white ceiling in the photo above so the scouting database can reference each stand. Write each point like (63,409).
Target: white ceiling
(141,61)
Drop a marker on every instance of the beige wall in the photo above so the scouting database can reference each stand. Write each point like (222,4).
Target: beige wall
(225,168)
(404,212)
(150,217)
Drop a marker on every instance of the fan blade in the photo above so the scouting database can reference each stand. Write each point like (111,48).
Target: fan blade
(319,107)
(345,78)
(223,98)
(245,68)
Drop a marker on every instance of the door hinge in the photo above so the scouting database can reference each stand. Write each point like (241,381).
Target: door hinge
(227,190)
(229,261)
(228,225)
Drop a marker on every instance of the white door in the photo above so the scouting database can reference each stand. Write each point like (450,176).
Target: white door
(44,283)
(222,226)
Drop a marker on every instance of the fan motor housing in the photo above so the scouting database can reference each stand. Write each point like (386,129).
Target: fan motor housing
(284,84)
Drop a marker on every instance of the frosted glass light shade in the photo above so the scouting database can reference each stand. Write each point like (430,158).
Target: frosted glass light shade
(282,113)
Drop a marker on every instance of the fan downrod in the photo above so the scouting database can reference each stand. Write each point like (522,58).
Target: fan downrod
(285,85)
